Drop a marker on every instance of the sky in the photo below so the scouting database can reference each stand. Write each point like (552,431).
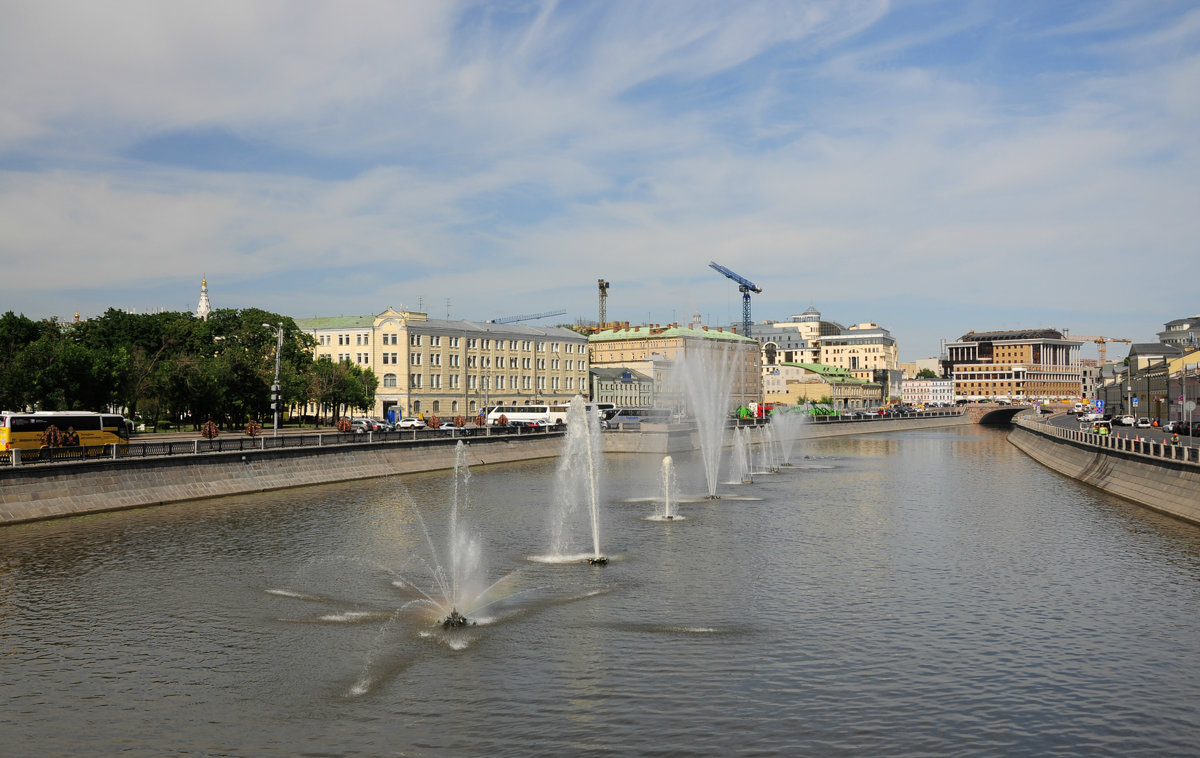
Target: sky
(933,167)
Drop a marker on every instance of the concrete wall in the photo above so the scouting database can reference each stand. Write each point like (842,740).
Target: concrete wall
(31,493)
(1171,487)
(667,439)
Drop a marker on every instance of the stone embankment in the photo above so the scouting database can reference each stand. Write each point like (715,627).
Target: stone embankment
(1163,477)
(31,493)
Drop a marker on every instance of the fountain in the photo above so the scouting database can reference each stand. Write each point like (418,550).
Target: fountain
(788,425)
(577,485)
(766,450)
(707,382)
(739,459)
(670,498)
(458,588)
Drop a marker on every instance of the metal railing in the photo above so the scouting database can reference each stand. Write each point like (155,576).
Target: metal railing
(849,418)
(50,455)
(1164,450)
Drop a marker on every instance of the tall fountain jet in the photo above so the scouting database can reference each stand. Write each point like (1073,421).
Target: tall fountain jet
(577,485)
(706,377)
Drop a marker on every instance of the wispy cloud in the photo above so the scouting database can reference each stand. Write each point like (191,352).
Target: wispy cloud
(861,156)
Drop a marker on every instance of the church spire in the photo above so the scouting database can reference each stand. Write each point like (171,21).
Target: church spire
(205,307)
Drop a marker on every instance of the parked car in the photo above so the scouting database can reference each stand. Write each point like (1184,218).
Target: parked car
(1143,423)
(410,423)
(360,425)
(1126,421)
(1183,428)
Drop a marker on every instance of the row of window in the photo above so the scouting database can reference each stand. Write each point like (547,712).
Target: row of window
(473,343)
(476,382)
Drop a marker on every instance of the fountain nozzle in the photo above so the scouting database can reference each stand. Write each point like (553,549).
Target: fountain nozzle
(455,620)
(599,560)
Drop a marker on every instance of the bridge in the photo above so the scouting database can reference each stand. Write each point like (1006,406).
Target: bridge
(995,414)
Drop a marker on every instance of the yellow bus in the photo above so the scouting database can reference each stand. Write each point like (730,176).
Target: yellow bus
(27,431)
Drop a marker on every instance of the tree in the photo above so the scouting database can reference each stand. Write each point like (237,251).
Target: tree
(926,373)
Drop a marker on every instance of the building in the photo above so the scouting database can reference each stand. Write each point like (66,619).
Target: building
(1035,364)
(623,387)
(796,340)
(1183,333)
(204,307)
(799,383)
(654,350)
(454,368)
(866,350)
(927,392)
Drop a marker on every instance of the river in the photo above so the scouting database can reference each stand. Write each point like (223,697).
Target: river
(910,593)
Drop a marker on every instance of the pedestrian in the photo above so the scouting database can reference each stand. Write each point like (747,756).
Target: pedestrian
(1175,439)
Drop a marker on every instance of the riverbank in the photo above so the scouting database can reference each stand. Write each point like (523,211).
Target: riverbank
(68,489)
(1144,474)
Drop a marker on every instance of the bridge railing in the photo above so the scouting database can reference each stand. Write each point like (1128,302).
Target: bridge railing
(1159,450)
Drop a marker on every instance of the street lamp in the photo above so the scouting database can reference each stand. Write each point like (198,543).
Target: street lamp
(275,395)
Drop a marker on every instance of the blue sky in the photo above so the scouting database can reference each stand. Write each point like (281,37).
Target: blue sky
(934,167)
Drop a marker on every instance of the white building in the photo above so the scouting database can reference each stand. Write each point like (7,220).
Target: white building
(927,391)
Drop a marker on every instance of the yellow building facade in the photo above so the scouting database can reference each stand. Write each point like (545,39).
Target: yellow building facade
(660,347)
(454,368)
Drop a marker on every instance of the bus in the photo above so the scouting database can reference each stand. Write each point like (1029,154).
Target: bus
(642,416)
(553,415)
(27,430)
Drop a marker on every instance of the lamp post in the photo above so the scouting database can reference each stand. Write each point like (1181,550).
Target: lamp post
(275,395)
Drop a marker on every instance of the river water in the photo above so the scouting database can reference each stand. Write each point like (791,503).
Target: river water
(911,593)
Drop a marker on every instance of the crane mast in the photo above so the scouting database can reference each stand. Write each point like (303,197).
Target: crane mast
(745,286)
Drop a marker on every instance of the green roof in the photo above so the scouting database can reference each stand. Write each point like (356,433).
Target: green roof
(669,332)
(335,322)
(831,374)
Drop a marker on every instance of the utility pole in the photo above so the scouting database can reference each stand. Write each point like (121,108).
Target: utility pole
(276,397)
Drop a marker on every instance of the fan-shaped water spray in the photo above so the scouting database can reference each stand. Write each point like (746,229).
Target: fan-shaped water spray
(706,377)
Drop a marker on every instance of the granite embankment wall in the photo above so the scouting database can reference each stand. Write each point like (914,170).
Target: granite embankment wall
(1146,478)
(31,493)
(667,439)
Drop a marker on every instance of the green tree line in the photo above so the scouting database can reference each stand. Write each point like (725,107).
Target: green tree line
(173,367)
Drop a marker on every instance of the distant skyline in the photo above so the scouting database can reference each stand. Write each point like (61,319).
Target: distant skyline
(933,167)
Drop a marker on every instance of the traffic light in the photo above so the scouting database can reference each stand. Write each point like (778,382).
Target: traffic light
(276,398)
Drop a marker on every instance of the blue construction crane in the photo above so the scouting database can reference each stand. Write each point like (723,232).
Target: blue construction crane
(529,317)
(745,286)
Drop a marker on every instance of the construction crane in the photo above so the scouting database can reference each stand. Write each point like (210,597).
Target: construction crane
(603,301)
(528,317)
(1101,342)
(745,286)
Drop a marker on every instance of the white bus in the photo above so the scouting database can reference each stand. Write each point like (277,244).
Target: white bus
(553,415)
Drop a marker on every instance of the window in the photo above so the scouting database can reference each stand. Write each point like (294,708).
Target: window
(436,341)
(487,344)
(416,359)
(415,340)
(500,382)
(414,381)
(454,381)
(472,361)
(472,343)
(435,359)
(454,360)
(454,342)
(389,380)
(435,382)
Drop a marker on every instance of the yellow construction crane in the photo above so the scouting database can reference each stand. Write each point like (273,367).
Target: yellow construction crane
(1101,342)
